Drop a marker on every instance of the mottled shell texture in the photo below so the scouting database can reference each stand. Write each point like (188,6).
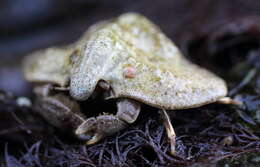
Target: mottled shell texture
(136,59)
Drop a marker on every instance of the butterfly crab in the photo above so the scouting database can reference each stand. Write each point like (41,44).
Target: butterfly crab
(130,60)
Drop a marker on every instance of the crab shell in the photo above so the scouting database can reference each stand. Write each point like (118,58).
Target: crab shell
(136,59)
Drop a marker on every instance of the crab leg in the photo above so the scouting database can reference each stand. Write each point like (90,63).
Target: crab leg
(105,125)
(99,127)
(58,109)
(228,100)
(169,130)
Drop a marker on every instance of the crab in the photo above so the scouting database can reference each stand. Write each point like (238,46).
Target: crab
(129,59)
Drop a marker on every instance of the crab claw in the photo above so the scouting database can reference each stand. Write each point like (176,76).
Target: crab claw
(98,128)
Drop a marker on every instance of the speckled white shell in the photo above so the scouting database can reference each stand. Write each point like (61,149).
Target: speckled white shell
(139,62)
(51,65)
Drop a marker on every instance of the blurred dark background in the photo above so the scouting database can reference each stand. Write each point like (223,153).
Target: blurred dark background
(30,25)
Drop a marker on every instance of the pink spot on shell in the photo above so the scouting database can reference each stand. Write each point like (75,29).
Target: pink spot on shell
(130,72)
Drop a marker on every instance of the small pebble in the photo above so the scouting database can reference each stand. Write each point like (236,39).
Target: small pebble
(228,140)
(24,102)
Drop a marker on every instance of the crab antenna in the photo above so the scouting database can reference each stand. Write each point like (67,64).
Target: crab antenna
(61,88)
